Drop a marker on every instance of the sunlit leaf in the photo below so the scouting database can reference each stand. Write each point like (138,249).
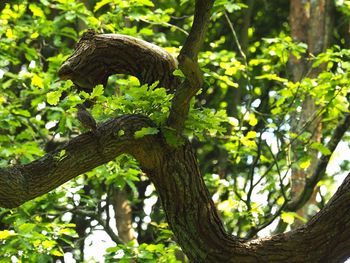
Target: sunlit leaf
(145,131)
(53,97)
(37,81)
(36,10)
(321,148)
(6,234)
(288,217)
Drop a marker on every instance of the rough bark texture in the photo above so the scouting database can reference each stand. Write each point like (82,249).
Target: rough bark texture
(173,170)
(96,57)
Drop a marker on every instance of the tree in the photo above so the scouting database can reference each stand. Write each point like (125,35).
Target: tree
(156,121)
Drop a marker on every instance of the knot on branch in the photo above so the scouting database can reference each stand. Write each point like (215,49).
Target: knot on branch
(96,57)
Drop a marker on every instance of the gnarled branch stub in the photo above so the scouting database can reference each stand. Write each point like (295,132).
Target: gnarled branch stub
(98,56)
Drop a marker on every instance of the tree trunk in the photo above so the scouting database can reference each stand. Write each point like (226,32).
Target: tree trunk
(311,24)
(123,214)
(194,220)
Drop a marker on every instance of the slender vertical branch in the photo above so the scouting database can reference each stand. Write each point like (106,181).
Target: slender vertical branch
(189,66)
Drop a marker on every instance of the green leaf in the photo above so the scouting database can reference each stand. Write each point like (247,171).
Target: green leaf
(56,252)
(251,135)
(121,133)
(21,112)
(253,121)
(60,155)
(170,136)
(145,2)
(37,81)
(26,228)
(321,148)
(36,10)
(6,234)
(288,217)
(145,131)
(305,163)
(48,244)
(53,97)
(98,91)
(101,4)
(178,73)
(272,77)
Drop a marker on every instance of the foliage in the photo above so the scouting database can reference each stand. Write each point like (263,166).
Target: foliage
(240,123)
(150,253)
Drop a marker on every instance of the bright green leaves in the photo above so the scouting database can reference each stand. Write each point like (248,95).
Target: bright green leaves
(122,4)
(272,77)
(151,253)
(205,121)
(123,171)
(289,217)
(143,2)
(34,236)
(120,13)
(227,71)
(97,91)
(61,155)
(147,100)
(145,131)
(178,73)
(343,6)
(102,3)
(252,119)
(36,10)
(5,234)
(229,6)
(283,47)
(321,148)
(305,162)
(53,97)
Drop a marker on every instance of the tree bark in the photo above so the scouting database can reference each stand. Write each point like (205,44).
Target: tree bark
(189,209)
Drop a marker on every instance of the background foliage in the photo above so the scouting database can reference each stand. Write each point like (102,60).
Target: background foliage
(240,123)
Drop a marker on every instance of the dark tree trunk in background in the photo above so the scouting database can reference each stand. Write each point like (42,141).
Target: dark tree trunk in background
(123,214)
(310,23)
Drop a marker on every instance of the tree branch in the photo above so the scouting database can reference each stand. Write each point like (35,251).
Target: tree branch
(101,221)
(189,66)
(19,184)
(96,57)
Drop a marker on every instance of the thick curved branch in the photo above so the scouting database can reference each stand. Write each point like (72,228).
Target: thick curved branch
(96,57)
(19,184)
(323,239)
(194,220)
(186,201)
